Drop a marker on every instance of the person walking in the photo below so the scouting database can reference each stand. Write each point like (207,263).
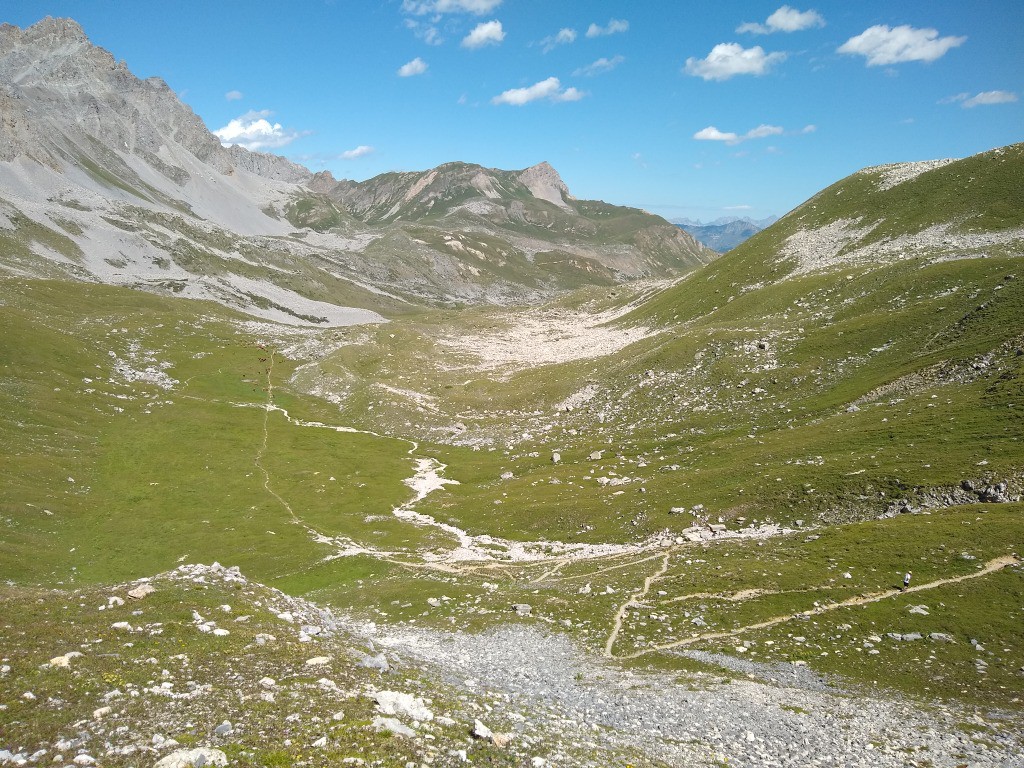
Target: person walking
(906,580)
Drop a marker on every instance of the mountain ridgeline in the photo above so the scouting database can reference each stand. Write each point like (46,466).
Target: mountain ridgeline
(110,178)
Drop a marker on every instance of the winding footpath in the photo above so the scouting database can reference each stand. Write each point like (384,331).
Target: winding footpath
(993,565)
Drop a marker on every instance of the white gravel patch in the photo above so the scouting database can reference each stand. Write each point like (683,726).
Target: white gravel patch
(835,245)
(544,337)
(895,174)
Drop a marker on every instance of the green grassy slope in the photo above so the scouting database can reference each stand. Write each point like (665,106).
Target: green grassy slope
(870,405)
(106,477)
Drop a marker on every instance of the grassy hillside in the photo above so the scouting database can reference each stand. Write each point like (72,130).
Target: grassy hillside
(837,426)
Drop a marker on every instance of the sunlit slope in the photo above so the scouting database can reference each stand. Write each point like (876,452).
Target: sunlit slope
(942,210)
(886,377)
(135,434)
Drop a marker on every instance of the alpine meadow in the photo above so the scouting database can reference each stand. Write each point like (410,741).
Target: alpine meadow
(449,466)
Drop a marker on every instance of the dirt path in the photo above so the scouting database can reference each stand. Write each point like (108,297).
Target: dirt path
(738,597)
(991,566)
(632,602)
(261,452)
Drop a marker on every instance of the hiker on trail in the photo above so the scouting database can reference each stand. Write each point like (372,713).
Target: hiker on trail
(906,579)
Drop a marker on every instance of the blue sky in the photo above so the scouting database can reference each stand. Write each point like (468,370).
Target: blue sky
(682,108)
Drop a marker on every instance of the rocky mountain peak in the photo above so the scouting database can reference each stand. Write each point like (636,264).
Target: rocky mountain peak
(47,31)
(545,183)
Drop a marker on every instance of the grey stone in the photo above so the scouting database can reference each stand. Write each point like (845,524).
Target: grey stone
(405,704)
(523,609)
(379,661)
(394,725)
(224,729)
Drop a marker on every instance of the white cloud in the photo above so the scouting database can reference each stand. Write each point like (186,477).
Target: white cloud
(785,19)
(614,25)
(422,7)
(809,129)
(600,66)
(233,95)
(729,59)
(485,33)
(428,33)
(550,89)
(564,37)
(253,131)
(361,151)
(882,45)
(762,130)
(711,133)
(989,97)
(415,67)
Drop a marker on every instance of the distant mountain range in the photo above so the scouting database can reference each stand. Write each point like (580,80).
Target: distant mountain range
(725,233)
(106,177)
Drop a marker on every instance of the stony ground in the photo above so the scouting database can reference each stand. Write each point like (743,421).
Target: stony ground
(266,679)
(766,715)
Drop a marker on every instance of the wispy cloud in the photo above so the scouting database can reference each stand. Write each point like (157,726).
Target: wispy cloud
(730,59)
(600,66)
(254,132)
(711,133)
(485,33)
(361,151)
(549,90)
(411,68)
(428,33)
(233,95)
(614,26)
(882,45)
(563,37)
(985,98)
(785,19)
(423,7)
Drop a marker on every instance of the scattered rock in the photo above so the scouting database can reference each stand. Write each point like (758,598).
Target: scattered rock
(523,609)
(319,661)
(379,662)
(193,758)
(398,703)
(141,591)
(393,725)
(224,729)
(65,660)
(481,731)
